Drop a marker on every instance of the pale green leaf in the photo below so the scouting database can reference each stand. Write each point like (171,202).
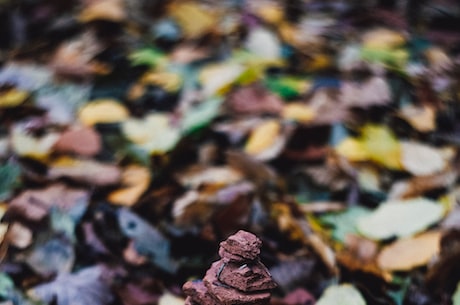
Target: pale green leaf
(400,218)
(456,296)
(344,294)
(344,223)
(201,115)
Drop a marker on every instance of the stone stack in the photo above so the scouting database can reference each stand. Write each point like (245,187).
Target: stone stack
(238,278)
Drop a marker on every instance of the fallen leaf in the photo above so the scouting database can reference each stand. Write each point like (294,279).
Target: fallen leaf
(88,171)
(10,174)
(400,218)
(263,43)
(422,118)
(382,38)
(253,99)
(263,137)
(27,145)
(344,223)
(298,112)
(408,253)
(344,294)
(195,20)
(35,204)
(154,133)
(218,78)
(19,235)
(374,91)
(102,111)
(107,10)
(197,176)
(456,296)
(169,299)
(85,287)
(421,160)
(201,115)
(135,181)
(84,141)
(12,97)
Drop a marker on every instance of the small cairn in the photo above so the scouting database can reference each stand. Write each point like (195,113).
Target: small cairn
(238,278)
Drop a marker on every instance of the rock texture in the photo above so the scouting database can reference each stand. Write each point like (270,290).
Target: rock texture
(238,278)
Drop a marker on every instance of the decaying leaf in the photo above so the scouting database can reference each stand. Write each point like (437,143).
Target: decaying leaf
(36,204)
(400,218)
(83,141)
(84,287)
(84,170)
(135,180)
(344,294)
(407,253)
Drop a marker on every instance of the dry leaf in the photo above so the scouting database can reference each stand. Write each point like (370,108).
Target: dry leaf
(102,111)
(422,118)
(420,159)
(83,141)
(383,39)
(196,176)
(254,99)
(408,253)
(263,137)
(108,10)
(135,180)
(372,92)
(169,299)
(263,43)
(88,171)
(195,20)
(298,112)
(27,145)
(12,97)
(19,235)
(217,78)
(35,204)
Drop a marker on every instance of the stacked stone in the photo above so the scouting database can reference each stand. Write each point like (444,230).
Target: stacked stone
(238,278)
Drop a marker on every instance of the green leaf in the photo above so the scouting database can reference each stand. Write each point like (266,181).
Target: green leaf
(149,56)
(201,115)
(344,294)
(391,59)
(456,296)
(400,218)
(344,223)
(9,179)
(6,286)
(287,87)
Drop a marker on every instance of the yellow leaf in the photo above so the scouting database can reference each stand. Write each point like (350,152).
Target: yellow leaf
(12,98)
(383,39)
(110,10)
(298,112)
(352,149)
(262,137)
(408,253)
(194,20)
(28,146)
(270,13)
(169,81)
(381,146)
(102,111)
(135,180)
(218,78)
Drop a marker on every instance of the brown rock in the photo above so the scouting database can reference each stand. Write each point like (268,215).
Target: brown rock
(227,295)
(197,293)
(240,247)
(246,277)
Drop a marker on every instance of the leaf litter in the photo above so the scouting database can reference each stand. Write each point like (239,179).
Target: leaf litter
(137,135)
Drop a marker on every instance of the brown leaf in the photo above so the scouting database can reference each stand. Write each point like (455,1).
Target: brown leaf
(83,141)
(135,180)
(108,10)
(408,253)
(254,99)
(35,204)
(88,171)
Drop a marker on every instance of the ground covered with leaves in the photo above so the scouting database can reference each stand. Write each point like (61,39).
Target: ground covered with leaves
(137,135)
